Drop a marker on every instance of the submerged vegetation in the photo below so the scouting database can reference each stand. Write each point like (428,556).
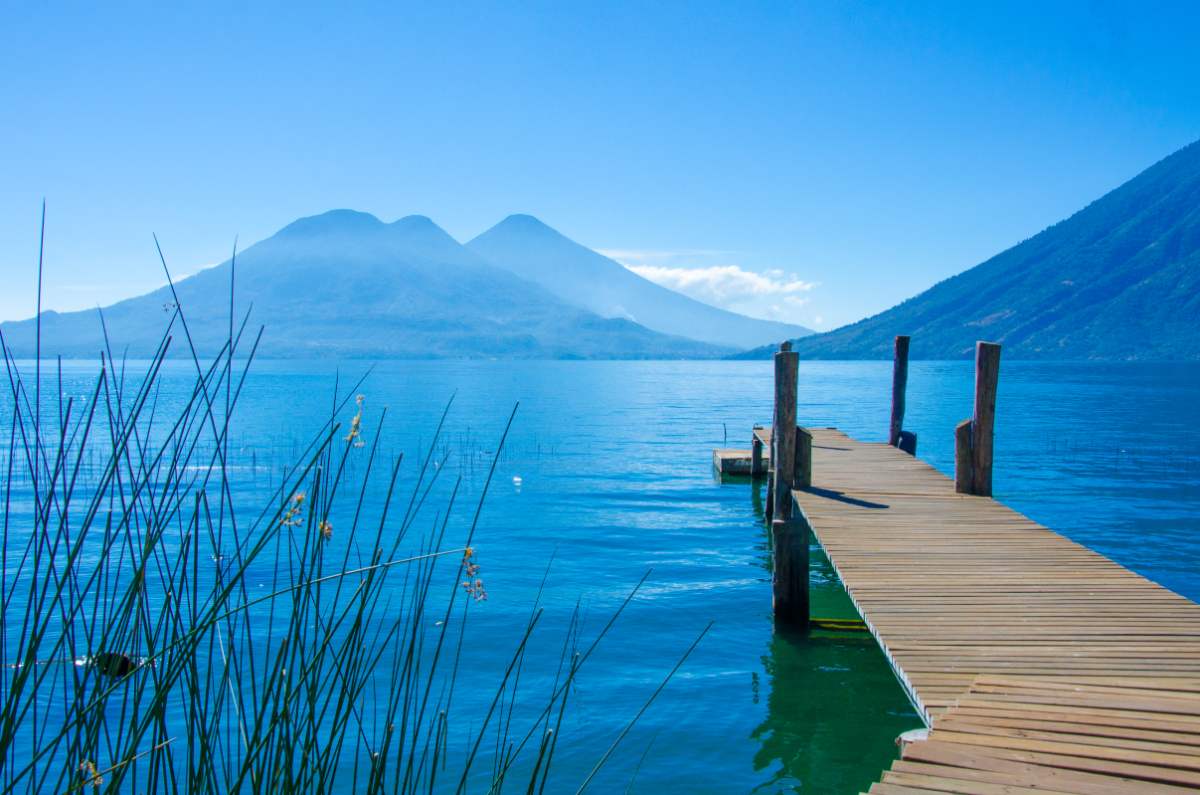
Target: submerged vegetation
(158,636)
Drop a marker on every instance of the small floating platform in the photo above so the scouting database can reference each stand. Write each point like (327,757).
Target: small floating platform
(731,461)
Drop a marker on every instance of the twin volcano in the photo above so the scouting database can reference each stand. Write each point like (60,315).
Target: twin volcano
(1120,279)
(345,284)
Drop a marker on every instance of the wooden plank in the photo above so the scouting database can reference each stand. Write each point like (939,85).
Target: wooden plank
(1038,662)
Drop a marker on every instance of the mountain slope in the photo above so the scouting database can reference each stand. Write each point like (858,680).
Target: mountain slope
(346,284)
(1120,279)
(580,276)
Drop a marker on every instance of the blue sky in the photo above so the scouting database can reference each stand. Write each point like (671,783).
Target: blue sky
(816,162)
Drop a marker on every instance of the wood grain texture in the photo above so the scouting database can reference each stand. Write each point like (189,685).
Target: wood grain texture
(1040,665)
(789,571)
(899,387)
(963,464)
(1057,735)
(987,378)
(783,438)
(803,474)
(757,469)
(956,586)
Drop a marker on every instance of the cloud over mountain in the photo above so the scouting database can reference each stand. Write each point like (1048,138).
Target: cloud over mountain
(771,294)
(725,305)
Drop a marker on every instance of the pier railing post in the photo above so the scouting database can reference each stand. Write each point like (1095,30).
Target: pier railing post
(973,439)
(789,576)
(803,477)
(987,376)
(899,385)
(783,433)
(962,458)
(756,454)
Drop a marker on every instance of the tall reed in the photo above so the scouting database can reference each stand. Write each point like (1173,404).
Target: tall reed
(158,636)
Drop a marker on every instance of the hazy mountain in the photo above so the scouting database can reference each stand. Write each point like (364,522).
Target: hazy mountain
(1120,279)
(346,284)
(580,276)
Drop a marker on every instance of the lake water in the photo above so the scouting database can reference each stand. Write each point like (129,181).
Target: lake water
(608,472)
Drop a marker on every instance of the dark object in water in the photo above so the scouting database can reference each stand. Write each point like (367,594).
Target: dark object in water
(839,624)
(113,663)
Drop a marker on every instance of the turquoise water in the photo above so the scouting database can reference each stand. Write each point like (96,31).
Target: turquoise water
(615,479)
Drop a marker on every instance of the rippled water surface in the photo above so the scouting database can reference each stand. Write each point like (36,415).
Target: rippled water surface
(608,473)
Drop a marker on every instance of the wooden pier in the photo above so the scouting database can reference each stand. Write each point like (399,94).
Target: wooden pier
(955,586)
(1040,665)
(1048,736)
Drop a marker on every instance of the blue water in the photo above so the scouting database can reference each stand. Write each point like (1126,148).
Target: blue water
(615,479)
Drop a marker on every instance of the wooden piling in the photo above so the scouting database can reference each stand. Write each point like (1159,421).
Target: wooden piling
(756,456)
(803,476)
(899,385)
(987,376)
(962,457)
(789,576)
(783,434)
(973,438)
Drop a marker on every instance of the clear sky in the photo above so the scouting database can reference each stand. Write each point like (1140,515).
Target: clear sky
(842,155)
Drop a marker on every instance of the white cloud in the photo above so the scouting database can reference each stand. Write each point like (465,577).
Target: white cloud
(772,294)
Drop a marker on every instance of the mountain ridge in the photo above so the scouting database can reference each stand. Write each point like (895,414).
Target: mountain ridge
(535,251)
(344,283)
(1117,280)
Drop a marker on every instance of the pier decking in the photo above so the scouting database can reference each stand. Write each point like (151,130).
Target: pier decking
(1040,665)
(1047,736)
(954,586)
(963,593)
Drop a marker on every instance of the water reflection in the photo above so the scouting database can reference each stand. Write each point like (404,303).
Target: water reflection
(816,682)
(833,702)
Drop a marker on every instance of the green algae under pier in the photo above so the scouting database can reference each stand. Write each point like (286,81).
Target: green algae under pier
(1039,664)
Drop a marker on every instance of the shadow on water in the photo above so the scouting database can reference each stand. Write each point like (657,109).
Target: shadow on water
(823,687)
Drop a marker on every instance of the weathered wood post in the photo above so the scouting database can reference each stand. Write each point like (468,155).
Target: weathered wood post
(962,458)
(803,477)
(899,385)
(783,431)
(987,376)
(789,578)
(791,462)
(756,454)
(973,438)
